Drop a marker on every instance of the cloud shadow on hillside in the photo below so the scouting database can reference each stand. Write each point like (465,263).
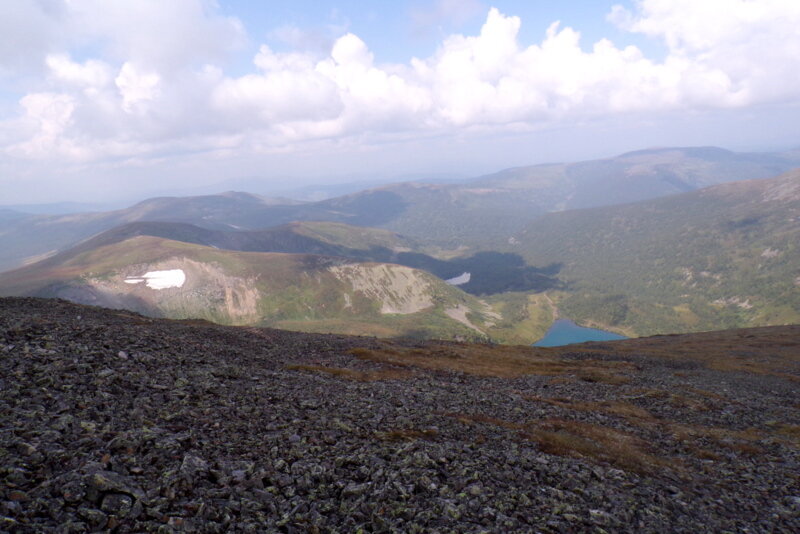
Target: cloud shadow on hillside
(490,272)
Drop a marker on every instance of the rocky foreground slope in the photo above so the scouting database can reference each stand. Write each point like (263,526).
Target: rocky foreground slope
(110,421)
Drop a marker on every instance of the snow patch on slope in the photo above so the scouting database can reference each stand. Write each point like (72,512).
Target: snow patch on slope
(160,279)
(460,279)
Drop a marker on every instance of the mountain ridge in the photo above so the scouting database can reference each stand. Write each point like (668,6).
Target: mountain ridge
(254,288)
(473,214)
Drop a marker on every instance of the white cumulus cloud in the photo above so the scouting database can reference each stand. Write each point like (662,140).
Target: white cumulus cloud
(92,73)
(136,86)
(47,118)
(159,82)
(752,46)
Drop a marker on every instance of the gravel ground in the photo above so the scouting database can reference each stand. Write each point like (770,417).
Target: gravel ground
(113,422)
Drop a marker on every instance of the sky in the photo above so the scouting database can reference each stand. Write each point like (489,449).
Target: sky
(105,101)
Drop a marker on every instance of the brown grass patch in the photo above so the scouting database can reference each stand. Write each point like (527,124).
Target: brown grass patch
(711,395)
(622,409)
(587,441)
(790,431)
(478,418)
(596,443)
(768,351)
(353,374)
(137,319)
(705,454)
(706,393)
(603,377)
(196,322)
(692,436)
(650,393)
(738,441)
(747,449)
(407,435)
(683,401)
(557,380)
(495,360)
(718,434)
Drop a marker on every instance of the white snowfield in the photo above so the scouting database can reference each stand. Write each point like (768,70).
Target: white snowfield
(160,279)
(459,280)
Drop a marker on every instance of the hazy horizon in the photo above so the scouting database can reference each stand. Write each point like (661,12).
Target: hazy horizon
(112,102)
(308,190)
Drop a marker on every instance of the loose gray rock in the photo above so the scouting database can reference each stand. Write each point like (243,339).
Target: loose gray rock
(209,429)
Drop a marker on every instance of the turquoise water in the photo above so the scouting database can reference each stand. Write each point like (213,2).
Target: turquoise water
(565,332)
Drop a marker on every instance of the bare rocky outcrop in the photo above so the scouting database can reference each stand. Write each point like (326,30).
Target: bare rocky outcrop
(399,289)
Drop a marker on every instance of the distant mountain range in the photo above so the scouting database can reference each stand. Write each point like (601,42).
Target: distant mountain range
(490,209)
(479,213)
(58,208)
(8,214)
(632,243)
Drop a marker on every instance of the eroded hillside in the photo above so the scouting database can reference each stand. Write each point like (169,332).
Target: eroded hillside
(295,291)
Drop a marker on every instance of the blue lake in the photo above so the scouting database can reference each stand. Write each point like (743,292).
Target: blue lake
(565,332)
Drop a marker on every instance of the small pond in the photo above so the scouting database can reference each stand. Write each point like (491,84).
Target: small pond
(566,332)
